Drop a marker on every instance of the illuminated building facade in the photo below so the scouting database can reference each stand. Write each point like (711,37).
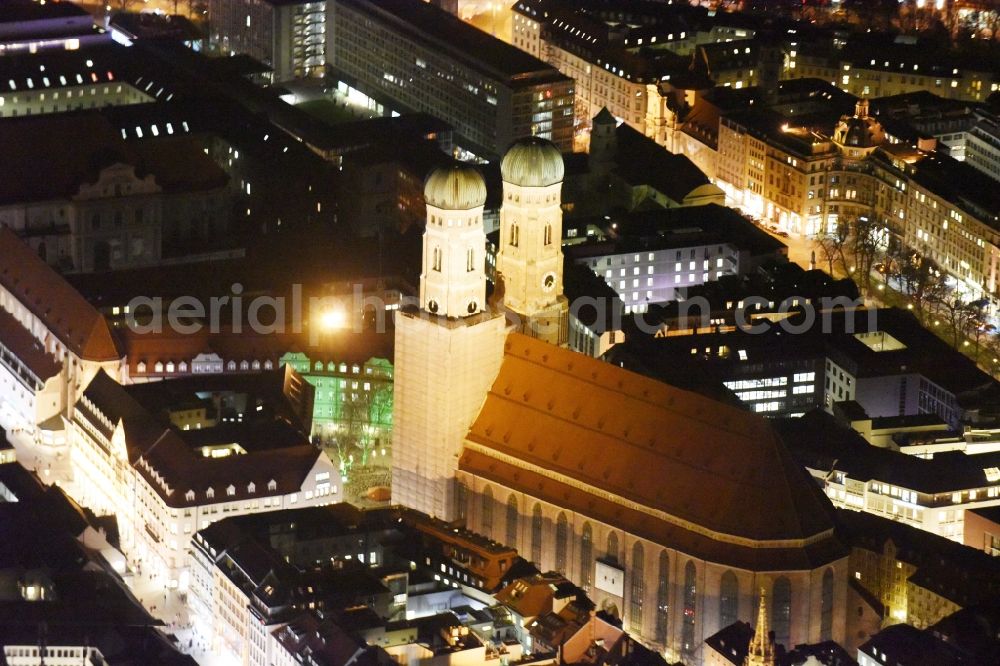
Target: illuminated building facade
(89,79)
(919,578)
(806,182)
(57,341)
(29,27)
(447,350)
(868,68)
(289,36)
(598,511)
(530,258)
(398,56)
(164,482)
(929,494)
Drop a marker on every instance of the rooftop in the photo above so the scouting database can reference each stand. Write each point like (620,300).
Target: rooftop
(172,467)
(57,305)
(628,433)
(425,22)
(687,226)
(820,443)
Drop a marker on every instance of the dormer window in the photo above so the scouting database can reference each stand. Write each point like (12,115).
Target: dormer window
(210,493)
(231,490)
(231,365)
(183,367)
(158,367)
(170,366)
(272,485)
(251,488)
(141,367)
(189,496)
(268,365)
(244,365)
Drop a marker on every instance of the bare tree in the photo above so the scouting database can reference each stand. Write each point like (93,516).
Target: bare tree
(922,283)
(831,246)
(366,419)
(955,312)
(862,243)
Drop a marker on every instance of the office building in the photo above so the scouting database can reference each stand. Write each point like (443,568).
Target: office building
(399,56)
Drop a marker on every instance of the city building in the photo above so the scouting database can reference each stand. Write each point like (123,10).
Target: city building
(929,494)
(398,56)
(792,355)
(673,570)
(62,597)
(288,36)
(54,341)
(30,27)
(869,65)
(108,204)
(169,458)
(653,256)
(92,78)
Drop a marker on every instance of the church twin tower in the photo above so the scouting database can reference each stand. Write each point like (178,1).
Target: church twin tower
(448,352)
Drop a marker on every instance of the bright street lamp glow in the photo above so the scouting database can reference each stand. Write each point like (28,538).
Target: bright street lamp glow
(333,319)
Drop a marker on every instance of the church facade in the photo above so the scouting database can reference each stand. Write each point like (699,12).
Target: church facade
(672,510)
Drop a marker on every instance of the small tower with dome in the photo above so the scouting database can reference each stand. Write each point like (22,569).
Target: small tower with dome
(530,259)
(453,282)
(858,135)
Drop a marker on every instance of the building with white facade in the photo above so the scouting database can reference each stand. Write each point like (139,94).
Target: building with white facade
(448,350)
(53,342)
(167,464)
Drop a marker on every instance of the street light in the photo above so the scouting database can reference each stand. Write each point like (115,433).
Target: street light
(333,319)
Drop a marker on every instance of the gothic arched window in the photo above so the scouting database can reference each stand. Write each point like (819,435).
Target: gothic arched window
(612,547)
(688,644)
(562,542)
(826,607)
(638,588)
(781,610)
(586,556)
(729,591)
(663,599)
(512,515)
(487,512)
(536,534)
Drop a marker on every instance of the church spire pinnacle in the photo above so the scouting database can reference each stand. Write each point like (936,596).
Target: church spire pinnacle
(761,651)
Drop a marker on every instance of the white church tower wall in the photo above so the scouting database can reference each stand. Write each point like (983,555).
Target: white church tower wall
(448,350)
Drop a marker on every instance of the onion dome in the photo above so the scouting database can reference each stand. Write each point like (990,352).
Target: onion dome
(532,162)
(458,187)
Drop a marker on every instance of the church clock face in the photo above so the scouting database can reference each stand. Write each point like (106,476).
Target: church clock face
(549,281)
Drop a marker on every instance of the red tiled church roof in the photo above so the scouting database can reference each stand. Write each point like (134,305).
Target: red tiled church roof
(665,464)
